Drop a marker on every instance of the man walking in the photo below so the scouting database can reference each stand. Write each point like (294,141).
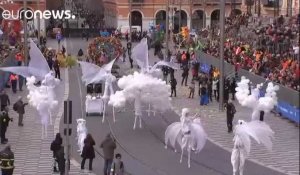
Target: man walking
(173,84)
(108,146)
(230,111)
(19,107)
(7,161)
(4,100)
(14,80)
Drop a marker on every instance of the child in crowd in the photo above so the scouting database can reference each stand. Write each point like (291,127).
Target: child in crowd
(117,167)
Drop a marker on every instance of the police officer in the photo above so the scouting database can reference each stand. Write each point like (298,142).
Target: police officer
(4,121)
(7,161)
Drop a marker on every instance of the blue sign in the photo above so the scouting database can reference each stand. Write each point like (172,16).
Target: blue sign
(288,111)
(104,34)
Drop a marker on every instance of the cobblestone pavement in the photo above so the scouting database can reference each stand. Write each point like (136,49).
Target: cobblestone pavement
(285,154)
(32,153)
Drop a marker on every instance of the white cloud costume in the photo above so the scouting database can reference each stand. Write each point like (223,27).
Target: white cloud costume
(81,133)
(142,89)
(43,99)
(188,133)
(257,130)
(253,100)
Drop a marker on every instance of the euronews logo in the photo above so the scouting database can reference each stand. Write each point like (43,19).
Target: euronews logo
(29,14)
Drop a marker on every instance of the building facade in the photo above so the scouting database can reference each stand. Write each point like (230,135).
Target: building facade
(196,13)
(18,6)
(110,13)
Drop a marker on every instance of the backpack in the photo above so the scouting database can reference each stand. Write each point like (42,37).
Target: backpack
(15,107)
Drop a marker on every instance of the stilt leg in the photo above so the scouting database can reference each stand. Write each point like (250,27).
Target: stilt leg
(181,155)
(114,116)
(50,117)
(140,121)
(149,110)
(103,116)
(189,158)
(135,118)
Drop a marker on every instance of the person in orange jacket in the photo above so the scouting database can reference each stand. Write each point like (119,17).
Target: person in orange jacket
(13,80)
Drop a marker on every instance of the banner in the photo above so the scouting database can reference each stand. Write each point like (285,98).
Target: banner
(288,111)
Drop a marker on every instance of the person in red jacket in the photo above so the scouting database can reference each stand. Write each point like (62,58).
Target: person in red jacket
(13,80)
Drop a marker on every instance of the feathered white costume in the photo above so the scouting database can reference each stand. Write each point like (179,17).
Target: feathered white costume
(92,73)
(253,100)
(142,89)
(257,130)
(188,133)
(81,133)
(41,97)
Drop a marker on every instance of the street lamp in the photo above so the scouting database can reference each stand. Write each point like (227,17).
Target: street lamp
(222,28)
(25,33)
(167,30)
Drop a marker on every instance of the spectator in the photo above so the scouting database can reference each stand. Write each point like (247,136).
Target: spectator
(55,147)
(185,75)
(173,83)
(19,107)
(230,111)
(214,87)
(60,156)
(88,151)
(192,89)
(4,100)
(108,146)
(13,80)
(117,167)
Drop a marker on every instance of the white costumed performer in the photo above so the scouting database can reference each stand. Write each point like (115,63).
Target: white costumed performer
(253,100)
(259,131)
(188,133)
(81,133)
(142,89)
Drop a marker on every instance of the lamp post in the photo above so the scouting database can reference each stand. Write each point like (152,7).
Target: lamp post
(39,23)
(167,31)
(25,33)
(222,27)
(130,20)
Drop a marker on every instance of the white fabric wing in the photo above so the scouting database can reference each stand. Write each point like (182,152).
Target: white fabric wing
(140,54)
(107,67)
(199,135)
(242,138)
(263,133)
(19,70)
(172,133)
(164,63)
(38,61)
(89,71)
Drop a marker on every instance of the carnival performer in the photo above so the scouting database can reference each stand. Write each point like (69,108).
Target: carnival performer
(188,133)
(259,131)
(81,133)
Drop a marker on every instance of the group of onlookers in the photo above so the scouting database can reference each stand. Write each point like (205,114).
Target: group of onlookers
(271,51)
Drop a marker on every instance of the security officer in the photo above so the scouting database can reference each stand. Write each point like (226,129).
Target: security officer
(7,161)
(4,121)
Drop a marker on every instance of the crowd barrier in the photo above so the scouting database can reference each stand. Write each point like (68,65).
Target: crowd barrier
(288,99)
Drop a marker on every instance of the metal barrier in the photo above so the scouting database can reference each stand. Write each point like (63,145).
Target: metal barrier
(288,99)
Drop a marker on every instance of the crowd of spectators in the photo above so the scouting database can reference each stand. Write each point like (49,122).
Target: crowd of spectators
(271,50)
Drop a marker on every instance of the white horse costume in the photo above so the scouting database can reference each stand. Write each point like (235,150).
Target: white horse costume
(253,100)
(81,133)
(259,131)
(188,133)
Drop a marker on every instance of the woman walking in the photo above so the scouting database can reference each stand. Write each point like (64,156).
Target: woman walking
(88,151)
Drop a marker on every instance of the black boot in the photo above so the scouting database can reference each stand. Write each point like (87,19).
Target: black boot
(55,170)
